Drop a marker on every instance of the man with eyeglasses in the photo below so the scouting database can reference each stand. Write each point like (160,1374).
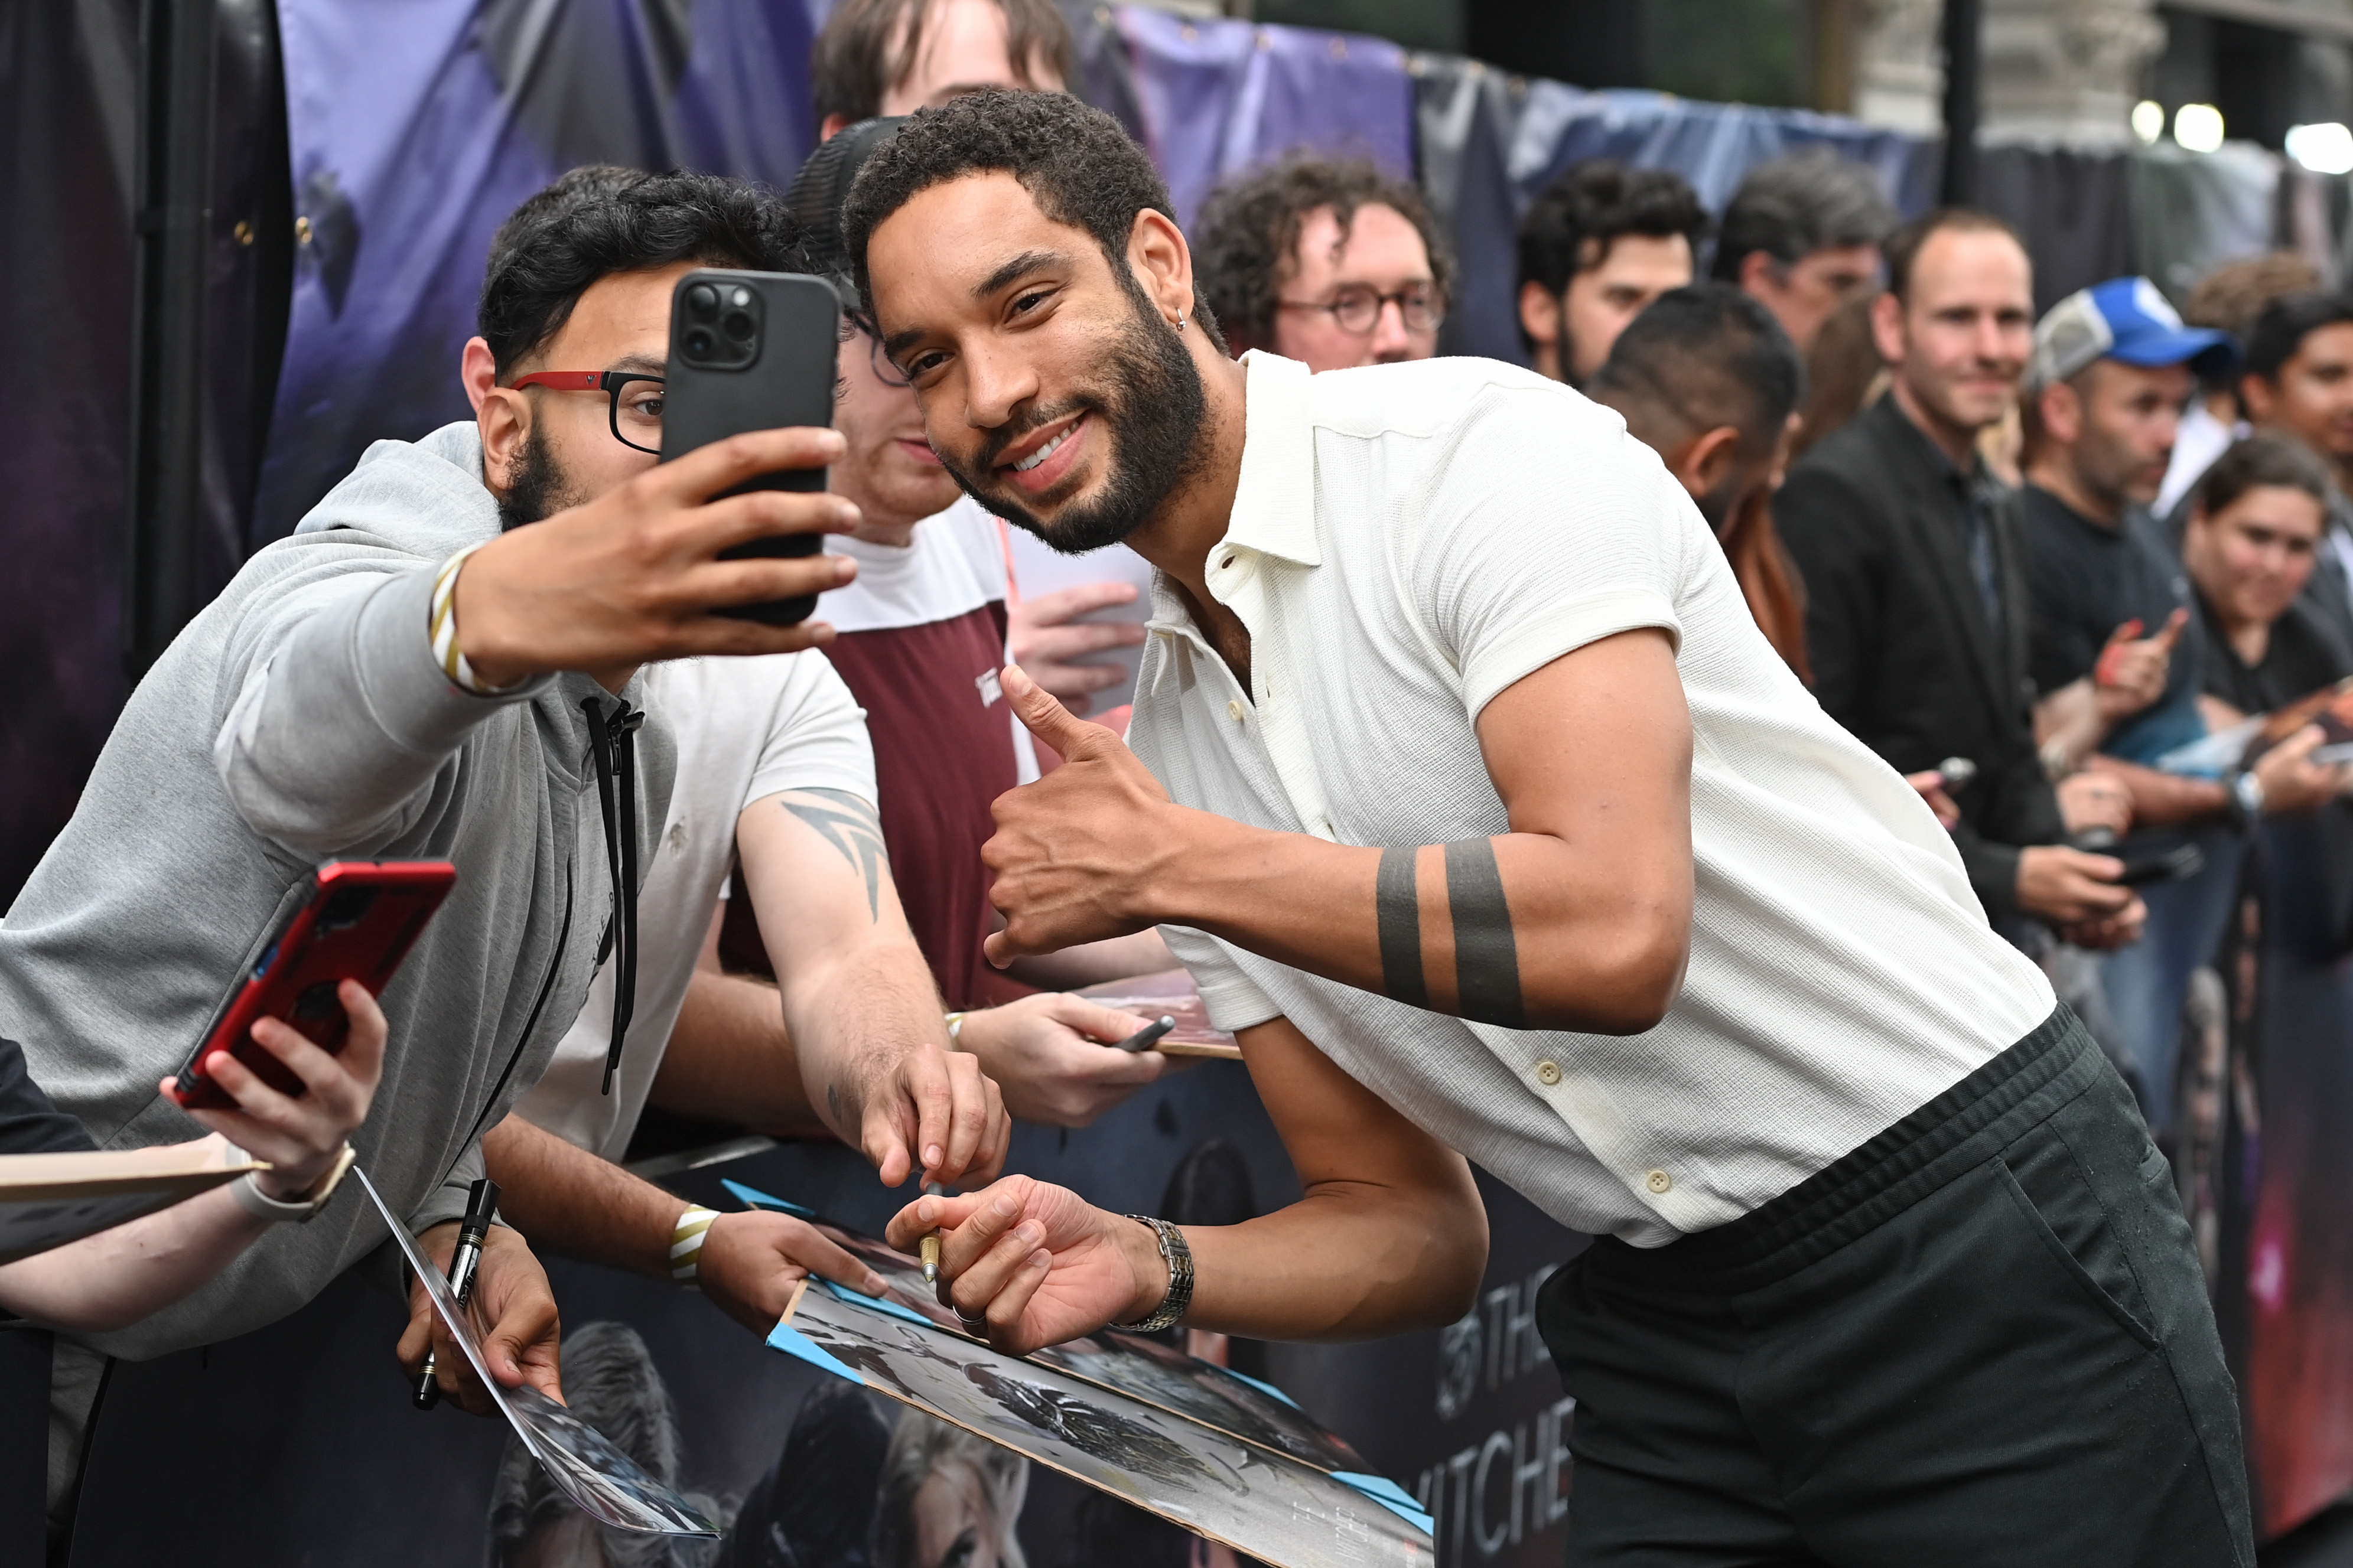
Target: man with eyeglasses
(1326,260)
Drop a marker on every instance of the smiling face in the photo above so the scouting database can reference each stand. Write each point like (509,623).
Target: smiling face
(2251,558)
(1059,392)
(1958,338)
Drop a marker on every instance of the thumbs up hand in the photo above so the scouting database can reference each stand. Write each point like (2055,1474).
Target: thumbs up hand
(1077,853)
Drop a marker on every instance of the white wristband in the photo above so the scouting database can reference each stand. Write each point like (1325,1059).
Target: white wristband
(441,627)
(686,1245)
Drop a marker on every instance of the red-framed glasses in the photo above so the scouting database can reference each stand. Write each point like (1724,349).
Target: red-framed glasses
(634,398)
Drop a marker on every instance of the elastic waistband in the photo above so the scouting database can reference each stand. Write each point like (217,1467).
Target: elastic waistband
(1961,1128)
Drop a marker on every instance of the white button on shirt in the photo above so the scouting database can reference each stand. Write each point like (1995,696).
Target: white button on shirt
(1407,540)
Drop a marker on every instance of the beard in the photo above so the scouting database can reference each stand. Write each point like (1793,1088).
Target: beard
(1149,402)
(537,485)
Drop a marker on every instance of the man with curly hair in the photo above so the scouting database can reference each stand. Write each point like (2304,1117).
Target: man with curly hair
(1326,260)
(1465,784)
(1601,242)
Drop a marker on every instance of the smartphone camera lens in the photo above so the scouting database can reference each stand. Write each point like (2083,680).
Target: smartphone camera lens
(738,325)
(700,343)
(346,908)
(702,300)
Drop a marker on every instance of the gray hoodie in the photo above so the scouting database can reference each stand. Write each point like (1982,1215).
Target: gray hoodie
(302,718)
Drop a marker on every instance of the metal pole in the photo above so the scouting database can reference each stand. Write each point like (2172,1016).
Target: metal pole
(1964,25)
(170,238)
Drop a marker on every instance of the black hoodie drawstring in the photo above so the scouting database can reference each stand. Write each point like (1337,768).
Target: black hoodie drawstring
(613,742)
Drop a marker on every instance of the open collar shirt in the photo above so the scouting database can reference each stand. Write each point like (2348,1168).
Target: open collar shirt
(1407,542)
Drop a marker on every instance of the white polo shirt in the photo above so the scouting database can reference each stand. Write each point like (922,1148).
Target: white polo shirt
(1410,540)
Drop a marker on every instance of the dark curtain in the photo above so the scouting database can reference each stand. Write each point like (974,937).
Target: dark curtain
(67,75)
(2072,207)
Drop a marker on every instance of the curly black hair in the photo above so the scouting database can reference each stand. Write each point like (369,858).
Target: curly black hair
(1570,227)
(1078,165)
(1249,232)
(602,220)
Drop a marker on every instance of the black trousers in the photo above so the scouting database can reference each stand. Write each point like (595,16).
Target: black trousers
(1982,1338)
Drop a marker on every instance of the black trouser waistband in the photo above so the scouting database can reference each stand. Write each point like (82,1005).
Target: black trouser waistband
(1961,1128)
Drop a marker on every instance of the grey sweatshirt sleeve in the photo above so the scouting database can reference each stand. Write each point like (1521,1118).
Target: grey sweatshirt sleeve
(334,739)
(448,1201)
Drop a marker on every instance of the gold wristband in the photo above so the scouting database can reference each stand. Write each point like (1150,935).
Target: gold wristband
(686,1245)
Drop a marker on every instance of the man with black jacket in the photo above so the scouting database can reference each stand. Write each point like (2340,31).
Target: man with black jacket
(1917,608)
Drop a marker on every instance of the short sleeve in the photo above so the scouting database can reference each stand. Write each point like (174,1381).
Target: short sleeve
(29,1123)
(816,738)
(1511,576)
(1233,1000)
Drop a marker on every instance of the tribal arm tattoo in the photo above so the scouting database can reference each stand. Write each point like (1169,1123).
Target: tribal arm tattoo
(1487,952)
(852,826)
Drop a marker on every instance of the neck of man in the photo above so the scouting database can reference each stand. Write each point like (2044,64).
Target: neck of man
(1193,518)
(2052,472)
(877,523)
(1958,442)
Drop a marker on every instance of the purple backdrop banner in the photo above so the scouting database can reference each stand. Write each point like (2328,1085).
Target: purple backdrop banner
(1218,97)
(416,127)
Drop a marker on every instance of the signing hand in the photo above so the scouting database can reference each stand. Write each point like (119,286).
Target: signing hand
(1048,639)
(523,1341)
(1041,1264)
(1043,1051)
(751,1261)
(2131,671)
(630,577)
(300,1137)
(929,1108)
(1073,851)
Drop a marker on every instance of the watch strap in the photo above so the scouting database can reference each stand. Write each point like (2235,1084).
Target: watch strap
(1179,1258)
(298,1211)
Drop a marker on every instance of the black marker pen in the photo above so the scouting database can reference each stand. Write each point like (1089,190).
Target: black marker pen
(1146,1037)
(481,1203)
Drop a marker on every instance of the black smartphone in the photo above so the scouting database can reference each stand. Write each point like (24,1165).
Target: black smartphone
(2146,865)
(752,351)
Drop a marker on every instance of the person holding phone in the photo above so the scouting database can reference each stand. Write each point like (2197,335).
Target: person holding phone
(442,662)
(114,1278)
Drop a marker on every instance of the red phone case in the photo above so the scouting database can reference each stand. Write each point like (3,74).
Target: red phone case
(350,920)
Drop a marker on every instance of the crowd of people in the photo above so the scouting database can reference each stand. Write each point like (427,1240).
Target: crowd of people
(1777,700)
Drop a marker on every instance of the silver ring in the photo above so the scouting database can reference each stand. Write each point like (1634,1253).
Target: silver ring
(976,1327)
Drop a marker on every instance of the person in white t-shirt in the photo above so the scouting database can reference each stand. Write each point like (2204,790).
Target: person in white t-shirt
(1485,814)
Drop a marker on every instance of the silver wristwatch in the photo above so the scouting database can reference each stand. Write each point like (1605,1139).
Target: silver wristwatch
(261,1206)
(1179,1258)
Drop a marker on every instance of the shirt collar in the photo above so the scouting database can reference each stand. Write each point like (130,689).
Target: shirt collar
(1960,481)
(1274,499)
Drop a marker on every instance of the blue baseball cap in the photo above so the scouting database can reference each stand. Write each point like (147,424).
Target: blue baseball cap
(2124,318)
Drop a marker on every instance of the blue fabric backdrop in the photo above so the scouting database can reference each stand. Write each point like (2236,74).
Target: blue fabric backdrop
(416,127)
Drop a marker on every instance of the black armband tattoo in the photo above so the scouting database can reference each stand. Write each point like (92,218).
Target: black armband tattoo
(1486,954)
(851,825)
(1396,900)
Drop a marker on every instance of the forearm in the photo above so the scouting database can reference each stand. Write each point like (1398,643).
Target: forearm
(1092,963)
(1346,1262)
(116,1277)
(2069,722)
(852,1015)
(731,1059)
(327,746)
(566,1200)
(2166,800)
(1523,929)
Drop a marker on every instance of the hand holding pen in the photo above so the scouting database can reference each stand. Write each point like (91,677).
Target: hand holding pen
(481,1203)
